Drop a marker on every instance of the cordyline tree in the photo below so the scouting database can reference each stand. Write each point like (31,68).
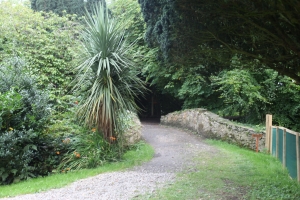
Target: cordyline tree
(264,30)
(107,72)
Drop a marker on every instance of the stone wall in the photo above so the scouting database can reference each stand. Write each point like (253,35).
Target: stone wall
(210,125)
(133,131)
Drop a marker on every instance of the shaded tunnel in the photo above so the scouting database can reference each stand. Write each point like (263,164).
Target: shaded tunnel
(156,103)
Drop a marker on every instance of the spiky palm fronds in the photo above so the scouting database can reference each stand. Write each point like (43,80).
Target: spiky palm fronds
(115,83)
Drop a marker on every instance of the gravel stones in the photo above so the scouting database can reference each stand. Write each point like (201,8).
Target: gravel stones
(174,152)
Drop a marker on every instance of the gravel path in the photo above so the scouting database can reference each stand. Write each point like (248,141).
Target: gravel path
(174,152)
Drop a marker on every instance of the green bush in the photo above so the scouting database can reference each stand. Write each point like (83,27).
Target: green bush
(10,104)
(25,154)
(23,106)
(25,149)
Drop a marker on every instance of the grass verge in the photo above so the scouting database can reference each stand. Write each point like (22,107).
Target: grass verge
(232,173)
(142,153)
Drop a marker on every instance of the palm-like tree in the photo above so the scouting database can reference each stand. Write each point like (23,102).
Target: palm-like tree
(108,65)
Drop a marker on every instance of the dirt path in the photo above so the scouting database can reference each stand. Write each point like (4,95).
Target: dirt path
(174,148)
(174,152)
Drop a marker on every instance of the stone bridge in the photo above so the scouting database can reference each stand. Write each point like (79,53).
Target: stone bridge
(210,125)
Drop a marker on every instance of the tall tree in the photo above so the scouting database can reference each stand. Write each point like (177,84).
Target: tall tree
(228,56)
(261,30)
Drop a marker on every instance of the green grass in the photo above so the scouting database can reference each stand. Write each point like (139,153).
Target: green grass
(137,156)
(229,173)
(232,173)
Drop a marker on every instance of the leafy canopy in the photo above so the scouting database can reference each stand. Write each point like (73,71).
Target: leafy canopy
(262,30)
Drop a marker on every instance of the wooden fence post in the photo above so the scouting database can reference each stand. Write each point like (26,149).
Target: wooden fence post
(268,132)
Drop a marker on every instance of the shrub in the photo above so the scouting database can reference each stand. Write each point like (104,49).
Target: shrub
(25,149)
(25,154)
(24,106)
(89,150)
(10,103)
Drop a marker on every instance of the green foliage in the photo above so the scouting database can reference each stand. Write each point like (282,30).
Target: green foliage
(240,92)
(25,151)
(214,72)
(89,150)
(285,105)
(26,154)
(185,79)
(24,106)
(262,30)
(227,56)
(161,19)
(133,157)
(61,6)
(107,72)
(128,12)
(64,123)
(10,104)
(15,158)
(251,94)
(195,88)
(46,41)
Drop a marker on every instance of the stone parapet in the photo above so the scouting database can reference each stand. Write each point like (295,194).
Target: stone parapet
(210,125)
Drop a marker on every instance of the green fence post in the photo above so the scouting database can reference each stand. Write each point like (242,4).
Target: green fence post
(297,153)
(284,149)
(277,142)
